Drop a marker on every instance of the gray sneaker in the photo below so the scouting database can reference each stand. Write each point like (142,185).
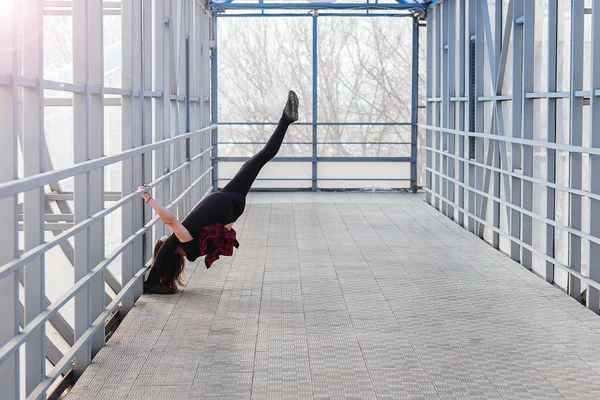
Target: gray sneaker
(291,107)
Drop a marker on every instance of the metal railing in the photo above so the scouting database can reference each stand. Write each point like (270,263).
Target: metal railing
(162,61)
(95,322)
(315,159)
(514,160)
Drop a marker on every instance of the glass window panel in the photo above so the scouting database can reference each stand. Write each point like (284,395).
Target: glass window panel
(365,69)
(540,133)
(259,61)
(563,51)
(262,133)
(540,56)
(587,50)
(58,48)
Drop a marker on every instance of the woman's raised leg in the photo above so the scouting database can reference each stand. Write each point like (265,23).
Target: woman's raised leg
(243,180)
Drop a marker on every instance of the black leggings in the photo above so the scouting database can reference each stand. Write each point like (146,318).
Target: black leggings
(225,206)
(243,180)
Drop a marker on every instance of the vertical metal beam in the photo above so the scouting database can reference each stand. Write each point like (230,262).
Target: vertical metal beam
(449,106)
(9,250)
(214,101)
(415,106)
(445,105)
(437,54)
(137,140)
(480,172)
(551,153)
(315,119)
(81,196)
(207,103)
(461,119)
(497,119)
(471,13)
(161,106)
(169,72)
(188,14)
(96,140)
(194,46)
(592,294)
(576,129)
(147,124)
(199,47)
(517,105)
(128,114)
(195,77)
(177,61)
(33,153)
(430,107)
(527,192)
(188,62)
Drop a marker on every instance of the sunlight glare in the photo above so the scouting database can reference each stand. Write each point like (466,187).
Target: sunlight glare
(6,7)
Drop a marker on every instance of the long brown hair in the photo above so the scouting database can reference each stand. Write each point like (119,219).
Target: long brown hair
(174,268)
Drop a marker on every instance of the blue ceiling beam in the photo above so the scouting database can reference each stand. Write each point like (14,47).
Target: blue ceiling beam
(400,5)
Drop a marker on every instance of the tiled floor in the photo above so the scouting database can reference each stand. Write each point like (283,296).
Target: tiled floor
(352,296)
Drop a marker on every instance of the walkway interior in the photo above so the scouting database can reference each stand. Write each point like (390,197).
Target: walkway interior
(352,296)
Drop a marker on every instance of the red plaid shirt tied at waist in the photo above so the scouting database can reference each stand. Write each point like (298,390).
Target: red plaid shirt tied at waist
(214,241)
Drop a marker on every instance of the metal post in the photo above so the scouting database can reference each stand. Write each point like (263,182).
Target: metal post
(415,106)
(161,107)
(439,191)
(205,115)
(444,21)
(81,196)
(496,117)
(33,153)
(137,138)
(575,167)
(592,294)
(472,170)
(96,141)
(9,250)
(517,105)
(214,101)
(460,123)
(128,123)
(315,59)
(528,74)
(479,109)
(551,134)
(449,106)
(147,122)
(429,111)
(187,96)
(168,72)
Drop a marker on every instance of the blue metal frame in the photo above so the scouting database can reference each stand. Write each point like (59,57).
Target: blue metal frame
(367,5)
(401,8)
(397,14)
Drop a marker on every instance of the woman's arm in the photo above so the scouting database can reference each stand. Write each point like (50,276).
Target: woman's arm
(167,217)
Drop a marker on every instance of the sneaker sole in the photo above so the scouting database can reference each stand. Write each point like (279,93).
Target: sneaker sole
(293,98)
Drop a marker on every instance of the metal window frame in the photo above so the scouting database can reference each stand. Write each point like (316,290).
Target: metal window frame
(260,9)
